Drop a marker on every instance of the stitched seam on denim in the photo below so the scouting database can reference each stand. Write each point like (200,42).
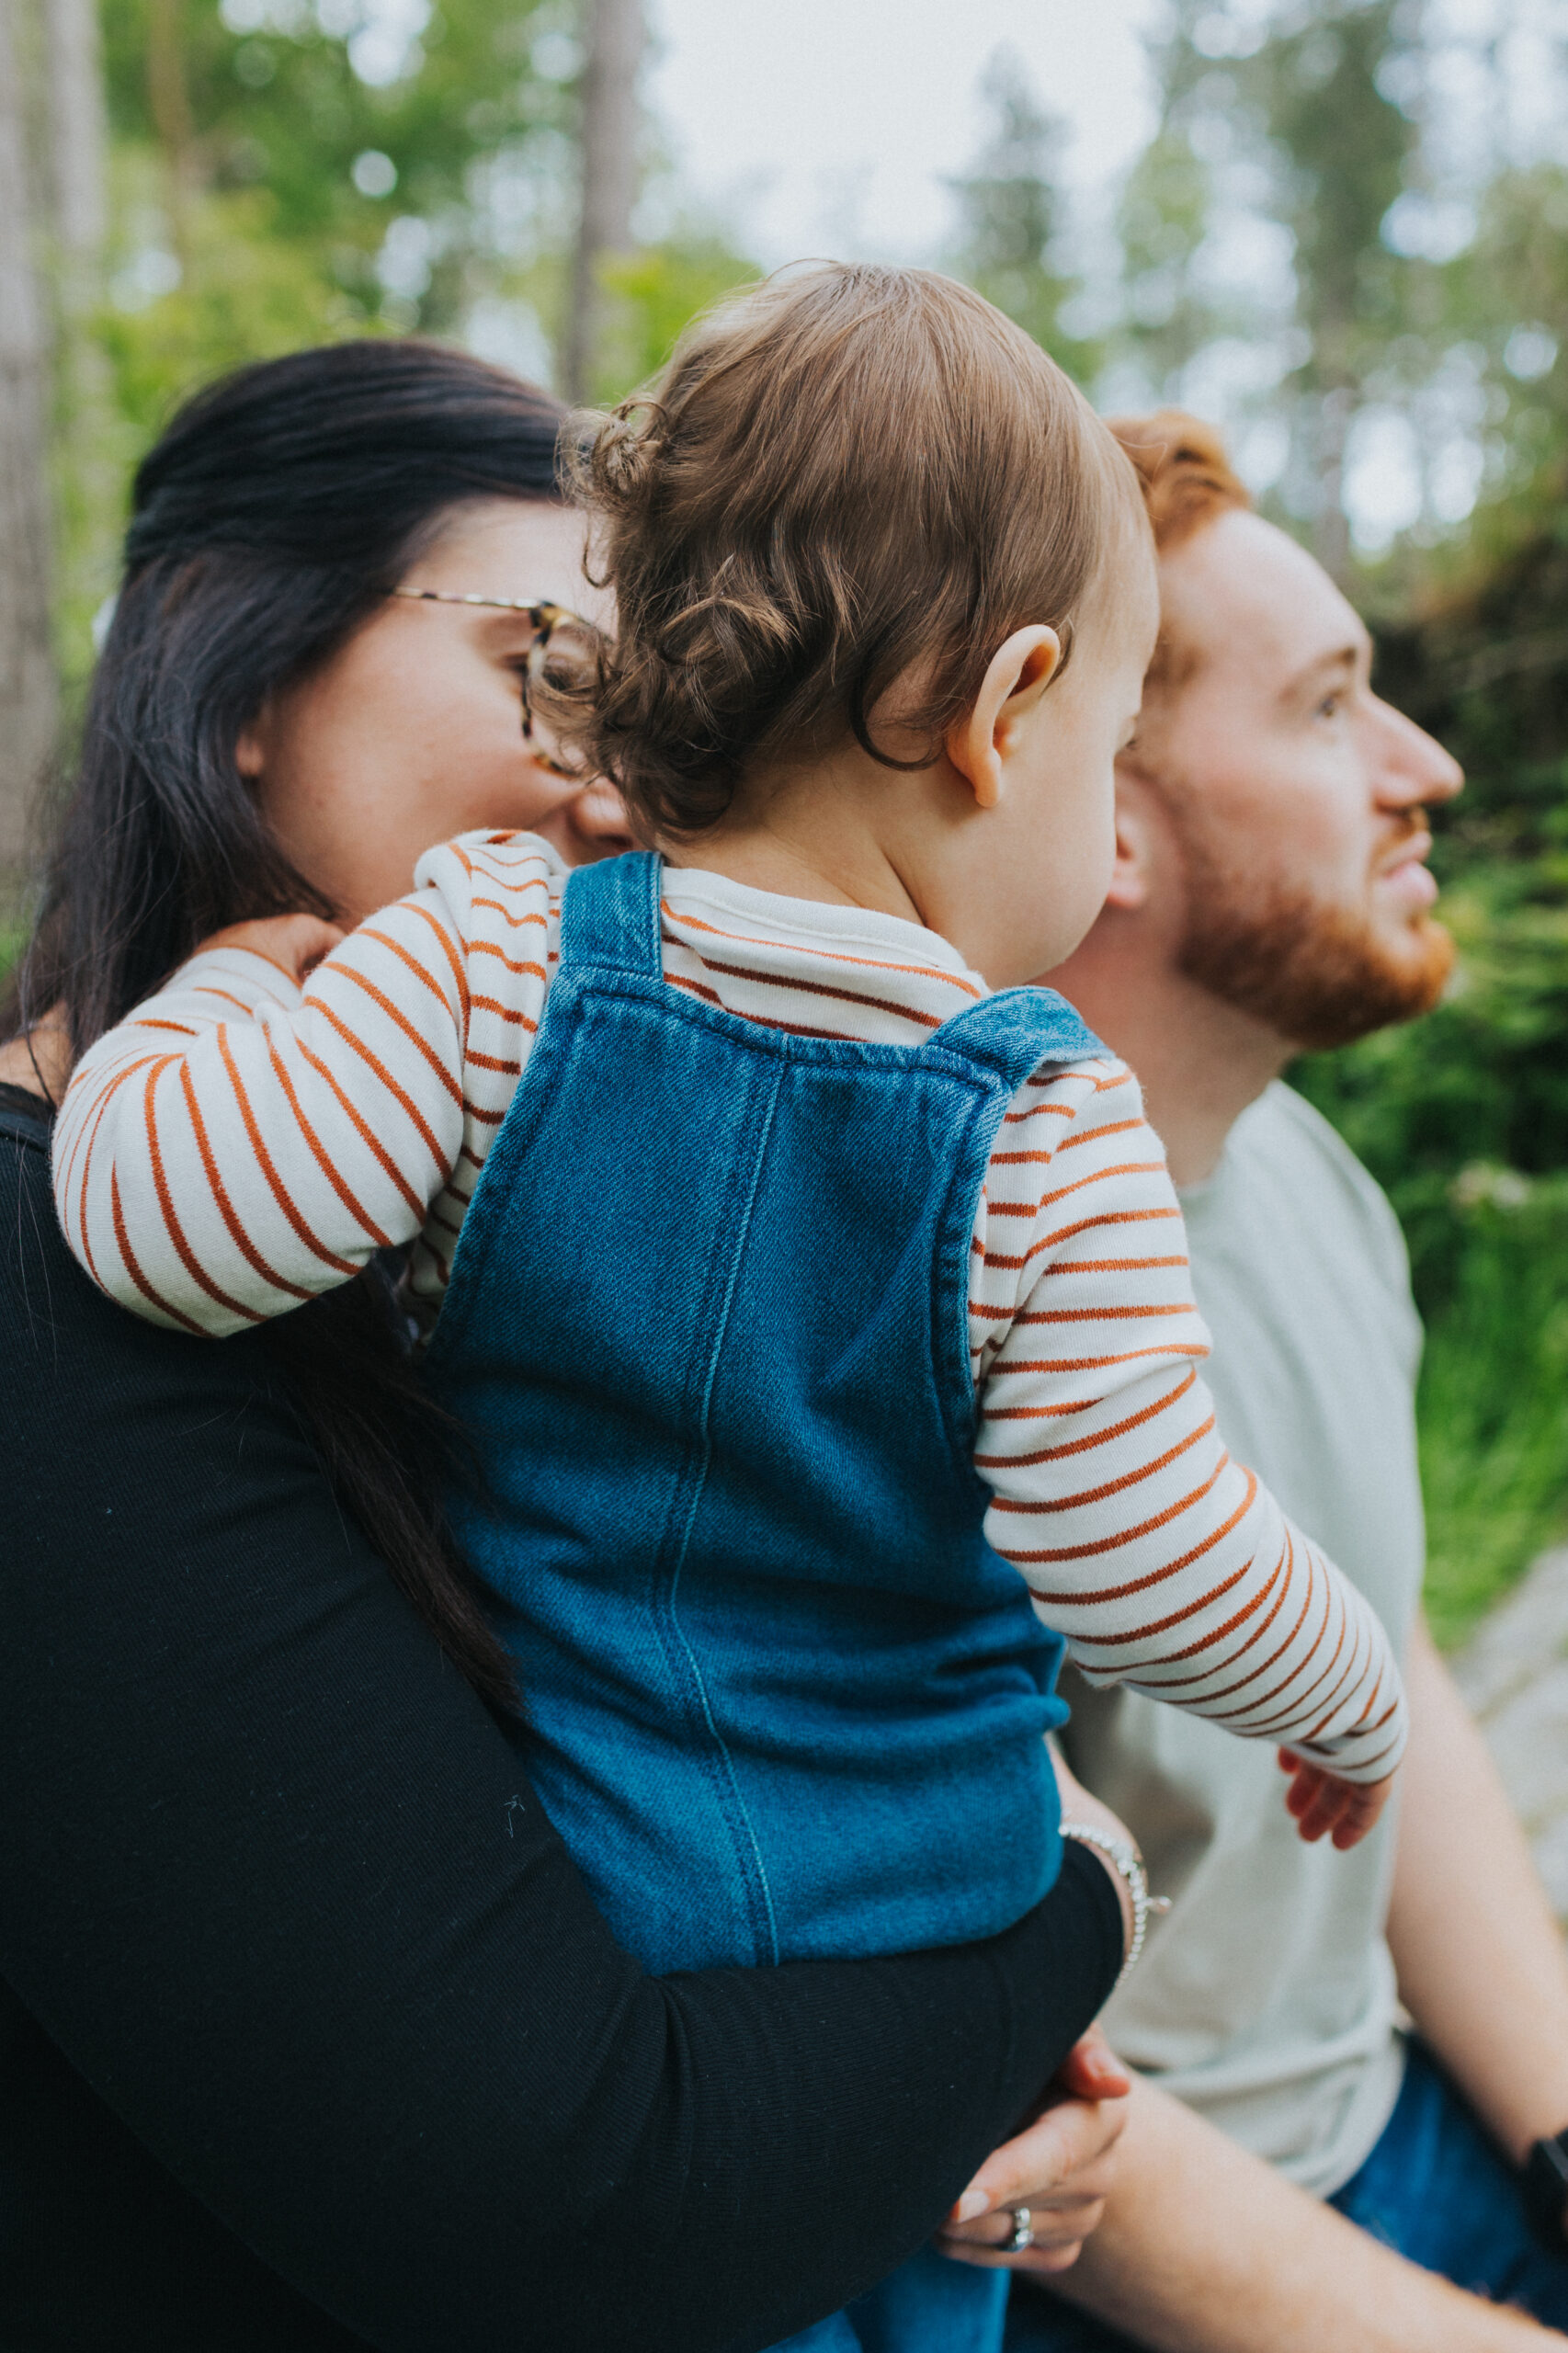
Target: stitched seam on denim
(949,1274)
(603,882)
(651,940)
(1002,1069)
(1022,1014)
(698,1483)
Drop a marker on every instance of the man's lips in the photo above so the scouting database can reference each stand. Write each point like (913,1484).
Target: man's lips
(1407,878)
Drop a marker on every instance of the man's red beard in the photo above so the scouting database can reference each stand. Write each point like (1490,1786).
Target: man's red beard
(1319,975)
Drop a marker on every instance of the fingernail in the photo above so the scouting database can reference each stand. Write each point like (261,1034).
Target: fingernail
(972,2204)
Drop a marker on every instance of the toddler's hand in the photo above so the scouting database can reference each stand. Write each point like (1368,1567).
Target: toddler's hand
(296,944)
(1321,1802)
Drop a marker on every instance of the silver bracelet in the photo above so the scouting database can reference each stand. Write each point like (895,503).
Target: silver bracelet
(1128,1864)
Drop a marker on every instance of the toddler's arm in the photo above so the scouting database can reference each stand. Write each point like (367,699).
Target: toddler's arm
(1164,1562)
(242,1141)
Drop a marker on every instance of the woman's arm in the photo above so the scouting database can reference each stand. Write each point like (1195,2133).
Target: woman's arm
(275,1885)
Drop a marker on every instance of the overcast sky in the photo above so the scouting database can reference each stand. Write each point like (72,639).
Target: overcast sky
(834,126)
(830,126)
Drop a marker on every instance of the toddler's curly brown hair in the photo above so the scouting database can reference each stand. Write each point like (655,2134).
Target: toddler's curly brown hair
(847,477)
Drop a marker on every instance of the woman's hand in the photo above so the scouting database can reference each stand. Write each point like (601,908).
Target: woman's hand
(1060,2167)
(296,944)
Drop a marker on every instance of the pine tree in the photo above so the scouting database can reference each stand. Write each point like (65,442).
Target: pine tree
(1342,149)
(1164,217)
(1011,217)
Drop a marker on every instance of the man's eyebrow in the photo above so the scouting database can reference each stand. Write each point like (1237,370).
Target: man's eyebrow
(1349,658)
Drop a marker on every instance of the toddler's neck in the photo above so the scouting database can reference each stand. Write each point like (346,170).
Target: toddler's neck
(759,860)
(843,833)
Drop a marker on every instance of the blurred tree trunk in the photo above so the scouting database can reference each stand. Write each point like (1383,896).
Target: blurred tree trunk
(88,485)
(1343,149)
(79,137)
(28,692)
(168,101)
(617,34)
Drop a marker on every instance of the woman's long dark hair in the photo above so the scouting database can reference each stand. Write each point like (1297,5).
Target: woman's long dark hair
(279,508)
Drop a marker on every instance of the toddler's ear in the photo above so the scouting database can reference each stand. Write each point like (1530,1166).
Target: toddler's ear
(1016,677)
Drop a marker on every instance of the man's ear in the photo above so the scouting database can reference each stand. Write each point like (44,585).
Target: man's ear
(1016,678)
(1132,874)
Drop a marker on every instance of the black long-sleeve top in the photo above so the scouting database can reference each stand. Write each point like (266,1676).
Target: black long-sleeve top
(310,2035)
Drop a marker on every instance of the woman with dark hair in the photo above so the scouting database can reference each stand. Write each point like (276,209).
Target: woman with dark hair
(310,2037)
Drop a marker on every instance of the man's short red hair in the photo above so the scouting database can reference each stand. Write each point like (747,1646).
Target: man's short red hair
(1188,483)
(1186,477)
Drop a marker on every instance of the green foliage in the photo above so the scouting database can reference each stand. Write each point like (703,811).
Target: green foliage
(1464,1116)
(1507,297)
(1010,218)
(1484,1079)
(1494,1397)
(246,294)
(656,292)
(448,126)
(1164,220)
(13,938)
(1166,215)
(1344,148)
(285,172)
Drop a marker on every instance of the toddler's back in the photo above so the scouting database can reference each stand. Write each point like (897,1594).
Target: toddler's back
(707,1323)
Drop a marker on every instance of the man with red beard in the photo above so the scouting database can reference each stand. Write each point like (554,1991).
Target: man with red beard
(1272,893)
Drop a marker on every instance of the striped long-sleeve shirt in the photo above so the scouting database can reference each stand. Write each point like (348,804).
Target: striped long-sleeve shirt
(240,1143)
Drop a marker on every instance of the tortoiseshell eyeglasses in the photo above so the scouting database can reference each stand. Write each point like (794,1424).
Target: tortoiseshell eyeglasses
(550,622)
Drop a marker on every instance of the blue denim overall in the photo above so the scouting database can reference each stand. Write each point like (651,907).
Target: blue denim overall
(708,1330)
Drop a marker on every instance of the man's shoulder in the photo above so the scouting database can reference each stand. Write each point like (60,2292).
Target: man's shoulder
(1292,1221)
(1283,1141)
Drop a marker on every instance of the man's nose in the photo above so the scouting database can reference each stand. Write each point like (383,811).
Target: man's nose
(1413,768)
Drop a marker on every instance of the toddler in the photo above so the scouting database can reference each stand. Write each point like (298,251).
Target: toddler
(815,1294)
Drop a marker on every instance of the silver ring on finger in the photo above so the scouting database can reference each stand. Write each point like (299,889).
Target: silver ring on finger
(1023,2231)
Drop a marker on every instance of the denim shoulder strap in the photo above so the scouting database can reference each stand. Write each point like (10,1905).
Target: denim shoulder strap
(609,916)
(1015,1030)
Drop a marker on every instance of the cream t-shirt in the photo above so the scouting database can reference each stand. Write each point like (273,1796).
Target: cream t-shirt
(1265,1998)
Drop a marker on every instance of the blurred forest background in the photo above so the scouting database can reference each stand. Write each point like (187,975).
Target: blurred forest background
(1347,238)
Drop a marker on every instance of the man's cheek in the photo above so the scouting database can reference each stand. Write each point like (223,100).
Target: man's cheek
(1300,842)
(1331,847)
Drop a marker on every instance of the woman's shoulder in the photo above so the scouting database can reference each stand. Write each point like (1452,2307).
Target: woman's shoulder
(29,1238)
(71,1362)
(25,1116)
